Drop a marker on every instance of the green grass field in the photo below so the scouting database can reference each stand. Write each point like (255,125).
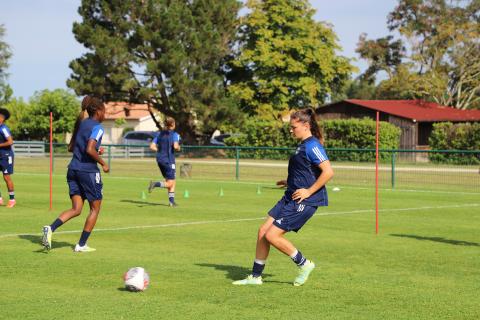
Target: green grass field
(424,263)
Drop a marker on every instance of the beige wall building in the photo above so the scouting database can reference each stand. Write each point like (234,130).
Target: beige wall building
(122,115)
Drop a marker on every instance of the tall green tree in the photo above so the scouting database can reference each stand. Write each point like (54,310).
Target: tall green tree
(443,64)
(383,54)
(5,55)
(285,59)
(166,53)
(31,121)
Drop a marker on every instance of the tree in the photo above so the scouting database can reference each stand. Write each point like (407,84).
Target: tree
(5,55)
(443,65)
(166,53)
(382,54)
(31,121)
(285,60)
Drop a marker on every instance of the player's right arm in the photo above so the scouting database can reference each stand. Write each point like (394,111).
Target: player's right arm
(8,136)
(282,183)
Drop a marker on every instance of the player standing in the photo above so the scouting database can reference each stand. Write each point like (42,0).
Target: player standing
(6,157)
(308,171)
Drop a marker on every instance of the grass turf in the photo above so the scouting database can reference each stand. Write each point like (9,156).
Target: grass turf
(424,263)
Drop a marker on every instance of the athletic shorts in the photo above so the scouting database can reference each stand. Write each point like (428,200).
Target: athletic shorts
(88,185)
(290,215)
(6,163)
(167,169)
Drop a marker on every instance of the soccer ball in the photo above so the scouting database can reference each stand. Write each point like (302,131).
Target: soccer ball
(136,279)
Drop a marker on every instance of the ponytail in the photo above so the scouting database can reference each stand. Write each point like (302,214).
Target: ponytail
(308,115)
(91,105)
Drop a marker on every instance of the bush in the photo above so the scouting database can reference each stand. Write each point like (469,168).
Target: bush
(359,134)
(263,133)
(460,136)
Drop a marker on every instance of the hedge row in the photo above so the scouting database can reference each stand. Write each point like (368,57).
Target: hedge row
(347,133)
(461,136)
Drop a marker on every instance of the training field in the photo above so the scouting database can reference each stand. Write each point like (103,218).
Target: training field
(424,263)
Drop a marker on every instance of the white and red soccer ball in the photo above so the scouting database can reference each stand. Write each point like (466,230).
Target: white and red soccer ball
(136,279)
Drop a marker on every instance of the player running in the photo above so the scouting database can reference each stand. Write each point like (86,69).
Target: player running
(83,176)
(165,144)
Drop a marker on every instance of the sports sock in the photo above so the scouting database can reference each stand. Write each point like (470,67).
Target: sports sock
(12,195)
(258,266)
(298,258)
(159,184)
(57,223)
(84,238)
(171,197)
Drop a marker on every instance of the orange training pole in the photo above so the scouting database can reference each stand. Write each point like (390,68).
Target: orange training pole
(376,172)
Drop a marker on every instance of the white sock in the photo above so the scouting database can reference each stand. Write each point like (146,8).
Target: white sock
(258,261)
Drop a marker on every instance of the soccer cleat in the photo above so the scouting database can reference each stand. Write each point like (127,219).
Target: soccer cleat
(47,237)
(172,204)
(249,280)
(303,273)
(85,248)
(11,203)
(151,186)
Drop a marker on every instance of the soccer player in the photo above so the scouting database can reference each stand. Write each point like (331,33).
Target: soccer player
(165,144)
(308,171)
(83,176)
(6,157)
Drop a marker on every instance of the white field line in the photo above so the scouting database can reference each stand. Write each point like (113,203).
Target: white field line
(368,168)
(335,166)
(192,223)
(266,184)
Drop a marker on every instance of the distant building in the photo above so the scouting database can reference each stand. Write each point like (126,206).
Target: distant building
(414,117)
(121,115)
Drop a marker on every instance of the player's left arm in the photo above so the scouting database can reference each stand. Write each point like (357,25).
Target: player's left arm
(176,142)
(8,136)
(318,157)
(96,135)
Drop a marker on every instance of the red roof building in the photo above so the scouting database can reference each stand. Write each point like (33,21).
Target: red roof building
(120,116)
(414,117)
(124,110)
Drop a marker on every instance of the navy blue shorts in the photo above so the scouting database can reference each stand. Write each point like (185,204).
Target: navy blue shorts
(88,185)
(167,169)
(290,215)
(6,164)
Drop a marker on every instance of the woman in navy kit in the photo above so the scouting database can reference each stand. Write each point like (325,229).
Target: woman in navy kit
(308,171)
(6,157)
(83,176)
(165,144)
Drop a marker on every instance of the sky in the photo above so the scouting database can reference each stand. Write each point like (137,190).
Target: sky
(39,33)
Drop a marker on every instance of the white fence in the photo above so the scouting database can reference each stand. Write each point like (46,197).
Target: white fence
(40,149)
(29,148)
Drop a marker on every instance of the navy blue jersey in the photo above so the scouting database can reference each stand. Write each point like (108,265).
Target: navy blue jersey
(81,161)
(303,171)
(164,141)
(4,134)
